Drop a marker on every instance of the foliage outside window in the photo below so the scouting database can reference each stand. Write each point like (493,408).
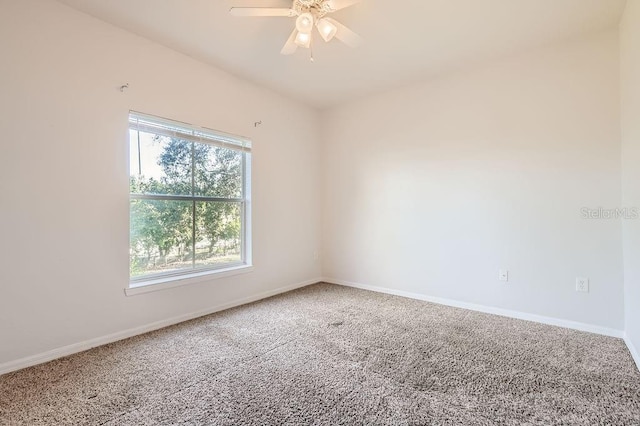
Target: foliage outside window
(189,192)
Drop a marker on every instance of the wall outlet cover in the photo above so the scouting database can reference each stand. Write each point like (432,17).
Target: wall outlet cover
(503,275)
(582,285)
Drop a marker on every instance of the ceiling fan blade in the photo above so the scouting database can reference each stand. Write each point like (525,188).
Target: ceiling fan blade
(290,46)
(345,35)
(261,11)
(340,4)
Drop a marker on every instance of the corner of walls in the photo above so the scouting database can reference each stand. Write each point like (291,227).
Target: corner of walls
(323,138)
(635,354)
(629,38)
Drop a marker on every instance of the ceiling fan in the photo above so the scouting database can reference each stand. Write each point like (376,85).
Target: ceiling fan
(308,13)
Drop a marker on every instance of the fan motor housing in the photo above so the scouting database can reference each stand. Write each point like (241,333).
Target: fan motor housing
(316,7)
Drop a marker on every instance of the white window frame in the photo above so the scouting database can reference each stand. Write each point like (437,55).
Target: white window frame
(165,127)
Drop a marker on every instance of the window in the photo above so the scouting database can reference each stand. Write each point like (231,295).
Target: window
(190,190)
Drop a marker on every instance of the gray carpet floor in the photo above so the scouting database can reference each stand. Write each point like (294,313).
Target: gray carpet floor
(330,355)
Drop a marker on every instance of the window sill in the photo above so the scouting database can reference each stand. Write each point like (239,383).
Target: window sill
(173,282)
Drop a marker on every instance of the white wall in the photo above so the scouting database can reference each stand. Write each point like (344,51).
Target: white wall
(64,176)
(630,89)
(431,189)
(428,189)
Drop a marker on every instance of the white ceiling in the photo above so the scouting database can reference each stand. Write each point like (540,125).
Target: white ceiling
(405,40)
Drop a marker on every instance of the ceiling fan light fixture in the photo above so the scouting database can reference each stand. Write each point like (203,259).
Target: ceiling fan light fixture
(307,15)
(303,40)
(304,23)
(327,30)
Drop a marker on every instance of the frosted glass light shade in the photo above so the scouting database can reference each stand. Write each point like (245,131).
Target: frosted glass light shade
(303,40)
(327,30)
(304,23)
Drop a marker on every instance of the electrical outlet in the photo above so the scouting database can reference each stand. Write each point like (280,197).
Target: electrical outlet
(582,285)
(503,275)
(316,255)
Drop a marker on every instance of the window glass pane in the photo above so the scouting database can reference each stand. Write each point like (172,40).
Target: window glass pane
(159,164)
(182,217)
(160,236)
(218,233)
(218,172)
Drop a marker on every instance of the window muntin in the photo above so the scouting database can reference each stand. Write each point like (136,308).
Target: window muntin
(189,192)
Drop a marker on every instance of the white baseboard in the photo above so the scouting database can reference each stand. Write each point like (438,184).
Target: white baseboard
(92,343)
(486,309)
(634,351)
(29,361)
